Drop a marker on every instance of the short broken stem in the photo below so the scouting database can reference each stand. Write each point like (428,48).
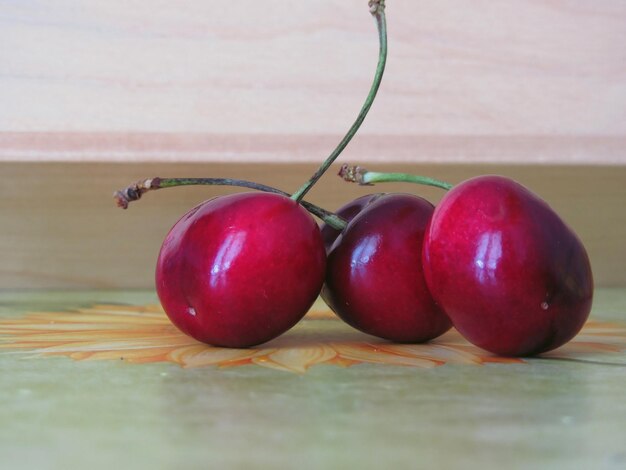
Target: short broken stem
(364,177)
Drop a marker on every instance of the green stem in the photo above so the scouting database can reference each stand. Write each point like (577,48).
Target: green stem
(136,190)
(377,8)
(375,177)
(364,177)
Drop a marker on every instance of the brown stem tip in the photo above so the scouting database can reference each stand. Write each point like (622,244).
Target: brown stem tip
(353,174)
(376,6)
(135,191)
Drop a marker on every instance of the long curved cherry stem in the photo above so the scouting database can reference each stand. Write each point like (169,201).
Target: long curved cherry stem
(364,177)
(377,9)
(136,190)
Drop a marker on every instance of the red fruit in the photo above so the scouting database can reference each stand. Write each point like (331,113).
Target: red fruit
(374,279)
(347,212)
(240,270)
(513,278)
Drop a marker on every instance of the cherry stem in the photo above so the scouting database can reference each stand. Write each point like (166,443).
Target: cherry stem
(364,177)
(377,9)
(136,190)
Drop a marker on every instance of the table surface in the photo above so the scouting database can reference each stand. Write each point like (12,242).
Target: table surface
(98,379)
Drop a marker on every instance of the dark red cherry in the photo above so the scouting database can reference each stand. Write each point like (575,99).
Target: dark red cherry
(514,279)
(241,269)
(347,212)
(374,279)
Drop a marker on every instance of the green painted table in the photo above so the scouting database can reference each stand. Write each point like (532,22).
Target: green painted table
(132,409)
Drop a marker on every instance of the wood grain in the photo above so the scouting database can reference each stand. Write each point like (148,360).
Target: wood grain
(61,229)
(281,148)
(456,67)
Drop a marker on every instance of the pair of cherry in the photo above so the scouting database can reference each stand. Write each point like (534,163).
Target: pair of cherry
(493,259)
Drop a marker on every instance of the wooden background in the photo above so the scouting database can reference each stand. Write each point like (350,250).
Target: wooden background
(94,95)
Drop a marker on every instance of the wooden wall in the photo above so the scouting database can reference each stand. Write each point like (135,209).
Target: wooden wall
(60,226)
(281,67)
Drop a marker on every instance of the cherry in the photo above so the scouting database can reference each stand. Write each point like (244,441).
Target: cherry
(514,279)
(239,270)
(346,212)
(374,279)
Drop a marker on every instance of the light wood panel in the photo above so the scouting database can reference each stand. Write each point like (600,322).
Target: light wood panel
(456,67)
(60,227)
(281,148)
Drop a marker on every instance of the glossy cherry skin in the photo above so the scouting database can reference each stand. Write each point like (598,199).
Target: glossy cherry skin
(513,278)
(347,212)
(374,279)
(239,270)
